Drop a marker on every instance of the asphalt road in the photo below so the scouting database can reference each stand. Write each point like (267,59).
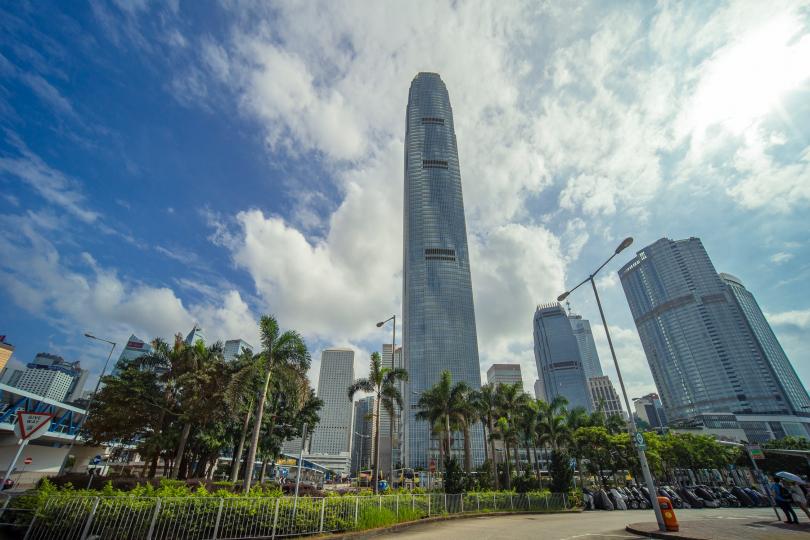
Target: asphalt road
(596,525)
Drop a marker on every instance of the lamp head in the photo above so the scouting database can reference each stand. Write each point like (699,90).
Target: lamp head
(563,296)
(379,324)
(625,243)
(88,335)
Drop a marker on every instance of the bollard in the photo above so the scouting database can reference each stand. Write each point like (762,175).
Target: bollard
(668,511)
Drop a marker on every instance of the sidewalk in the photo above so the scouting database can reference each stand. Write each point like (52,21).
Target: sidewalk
(726,529)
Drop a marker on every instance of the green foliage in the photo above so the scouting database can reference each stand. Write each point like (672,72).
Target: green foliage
(561,473)
(454,479)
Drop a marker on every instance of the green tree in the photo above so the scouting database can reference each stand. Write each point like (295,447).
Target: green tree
(382,382)
(279,350)
(485,401)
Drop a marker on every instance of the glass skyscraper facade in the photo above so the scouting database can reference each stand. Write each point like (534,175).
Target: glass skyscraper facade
(332,435)
(709,348)
(439,319)
(587,348)
(558,357)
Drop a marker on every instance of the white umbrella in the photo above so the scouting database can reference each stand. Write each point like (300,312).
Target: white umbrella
(790,476)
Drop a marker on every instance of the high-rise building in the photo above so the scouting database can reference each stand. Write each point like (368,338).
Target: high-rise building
(195,335)
(504,374)
(587,348)
(134,349)
(363,435)
(234,347)
(709,347)
(439,318)
(768,345)
(650,410)
(558,358)
(11,377)
(332,434)
(390,447)
(52,377)
(539,390)
(6,350)
(604,393)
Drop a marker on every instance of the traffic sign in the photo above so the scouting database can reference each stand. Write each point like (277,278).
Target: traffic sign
(755,451)
(28,461)
(31,425)
(641,444)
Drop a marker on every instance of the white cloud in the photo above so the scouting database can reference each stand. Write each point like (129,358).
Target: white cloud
(780,257)
(798,318)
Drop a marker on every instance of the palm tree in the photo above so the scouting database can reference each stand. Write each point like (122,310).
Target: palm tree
(445,402)
(391,400)
(511,398)
(526,422)
(486,403)
(553,429)
(382,382)
(279,350)
(240,395)
(506,432)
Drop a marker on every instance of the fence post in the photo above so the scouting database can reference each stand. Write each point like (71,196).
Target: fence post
(565,502)
(494,502)
(397,505)
(89,523)
(429,497)
(379,503)
(275,517)
(546,502)
(413,504)
(478,502)
(219,516)
(511,504)
(356,509)
(154,520)
(445,502)
(323,507)
(462,503)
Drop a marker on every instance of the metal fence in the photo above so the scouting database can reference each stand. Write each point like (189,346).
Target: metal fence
(214,518)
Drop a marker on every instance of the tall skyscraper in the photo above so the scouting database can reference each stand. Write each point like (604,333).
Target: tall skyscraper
(559,362)
(587,348)
(134,349)
(439,319)
(332,434)
(504,374)
(195,335)
(363,434)
(540,390)
(234,347)
(604,393)
(709,347)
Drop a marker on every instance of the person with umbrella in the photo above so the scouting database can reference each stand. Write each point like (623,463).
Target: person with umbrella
(783,498)
(796,488)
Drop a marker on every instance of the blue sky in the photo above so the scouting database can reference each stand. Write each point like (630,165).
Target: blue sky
(165,163)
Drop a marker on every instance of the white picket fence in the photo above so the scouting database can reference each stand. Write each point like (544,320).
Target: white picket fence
(239,518)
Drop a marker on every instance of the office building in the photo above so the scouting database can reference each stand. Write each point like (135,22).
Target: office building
(587,348)
(504,374)
(559,363)
(11,377)
(6,350)
(134,349)
(650,410)
(195,335)
(710,349)
(332,434)
(439,318)
(234,348)
(539,390)
(363,435)
(604,395)
(52,377)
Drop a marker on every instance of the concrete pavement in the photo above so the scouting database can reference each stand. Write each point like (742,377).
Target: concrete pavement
(592,525)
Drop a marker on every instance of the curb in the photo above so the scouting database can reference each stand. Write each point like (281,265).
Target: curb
(370,533)
(661,534)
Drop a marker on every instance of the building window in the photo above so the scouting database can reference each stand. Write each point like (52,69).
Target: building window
(440,254)
(434,164)
(433,120)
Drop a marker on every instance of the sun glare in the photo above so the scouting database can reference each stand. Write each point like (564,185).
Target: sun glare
(744,81)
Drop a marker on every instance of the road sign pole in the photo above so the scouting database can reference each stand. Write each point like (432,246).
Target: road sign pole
(13,464)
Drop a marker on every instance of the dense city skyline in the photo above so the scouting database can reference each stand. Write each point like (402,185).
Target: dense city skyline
(200,187)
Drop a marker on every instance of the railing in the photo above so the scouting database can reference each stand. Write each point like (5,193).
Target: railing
(214,518)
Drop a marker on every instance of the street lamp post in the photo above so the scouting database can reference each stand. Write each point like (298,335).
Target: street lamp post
(393,355)
(642,455)
(89,402)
